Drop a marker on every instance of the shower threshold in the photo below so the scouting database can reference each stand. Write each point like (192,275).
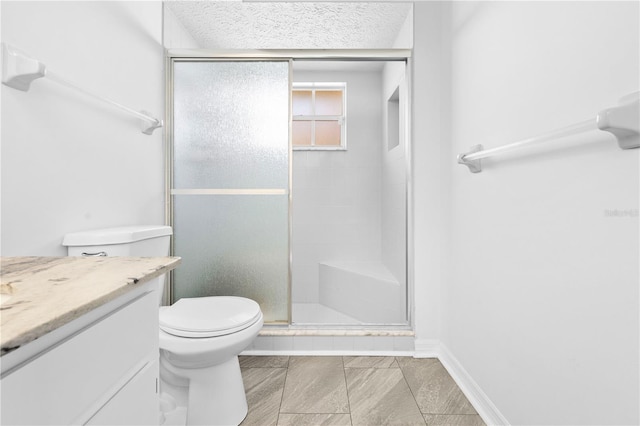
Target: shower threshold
(315,319)
(347,337)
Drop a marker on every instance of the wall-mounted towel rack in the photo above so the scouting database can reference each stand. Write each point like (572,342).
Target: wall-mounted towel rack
(19,71)
(622,121)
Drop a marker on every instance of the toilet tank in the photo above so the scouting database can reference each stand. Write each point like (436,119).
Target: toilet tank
(138,241)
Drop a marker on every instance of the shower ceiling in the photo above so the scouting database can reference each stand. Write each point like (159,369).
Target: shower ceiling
(284,25)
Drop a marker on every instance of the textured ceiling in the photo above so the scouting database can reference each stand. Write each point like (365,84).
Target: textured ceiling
(284,25)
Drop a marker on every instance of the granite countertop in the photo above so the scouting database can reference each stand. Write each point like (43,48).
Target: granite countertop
(41,294)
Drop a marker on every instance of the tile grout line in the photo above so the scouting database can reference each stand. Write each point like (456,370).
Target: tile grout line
(344,375)
(329,413)
(283,387)
(450,414)
(411,390)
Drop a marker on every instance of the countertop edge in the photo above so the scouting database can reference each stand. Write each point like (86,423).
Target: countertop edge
(47,326)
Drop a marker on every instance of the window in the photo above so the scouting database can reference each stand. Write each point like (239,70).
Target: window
(319,113)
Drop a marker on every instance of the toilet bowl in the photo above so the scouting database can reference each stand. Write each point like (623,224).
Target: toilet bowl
(199,338)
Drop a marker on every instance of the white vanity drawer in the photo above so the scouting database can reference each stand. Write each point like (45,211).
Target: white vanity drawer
(70,382)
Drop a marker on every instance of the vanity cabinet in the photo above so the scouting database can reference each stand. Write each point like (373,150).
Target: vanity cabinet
(105,373)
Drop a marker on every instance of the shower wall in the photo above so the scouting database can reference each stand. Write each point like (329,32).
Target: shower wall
(394,174)
(337,194)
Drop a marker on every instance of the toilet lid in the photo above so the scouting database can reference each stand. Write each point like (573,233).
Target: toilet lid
(209,316)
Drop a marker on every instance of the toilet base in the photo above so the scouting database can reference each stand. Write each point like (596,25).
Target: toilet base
(215,394)
(171,414)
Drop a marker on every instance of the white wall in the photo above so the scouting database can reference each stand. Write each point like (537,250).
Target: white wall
(70,163)
(336,194)
(542,305)
(431,163)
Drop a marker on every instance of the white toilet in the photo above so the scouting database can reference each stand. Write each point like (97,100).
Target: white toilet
(200,338)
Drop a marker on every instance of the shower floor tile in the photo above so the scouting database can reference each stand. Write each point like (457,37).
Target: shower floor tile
(349,391)
(315,313)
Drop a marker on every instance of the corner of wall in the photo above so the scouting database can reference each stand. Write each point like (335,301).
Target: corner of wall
(426,348)
(431,150)
(480,401)
(175,35)
(434,348)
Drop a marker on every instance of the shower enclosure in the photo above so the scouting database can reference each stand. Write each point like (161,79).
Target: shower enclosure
(316,236)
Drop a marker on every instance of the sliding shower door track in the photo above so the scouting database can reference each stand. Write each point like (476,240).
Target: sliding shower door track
(338,330)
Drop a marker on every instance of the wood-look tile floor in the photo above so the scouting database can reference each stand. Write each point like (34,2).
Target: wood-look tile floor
(350,391)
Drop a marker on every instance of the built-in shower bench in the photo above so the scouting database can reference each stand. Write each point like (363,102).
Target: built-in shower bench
(366,291)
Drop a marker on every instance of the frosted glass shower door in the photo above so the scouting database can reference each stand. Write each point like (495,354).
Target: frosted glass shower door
(230,181)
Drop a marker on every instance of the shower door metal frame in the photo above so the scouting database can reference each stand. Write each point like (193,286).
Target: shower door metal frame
(170,191)
(290,55)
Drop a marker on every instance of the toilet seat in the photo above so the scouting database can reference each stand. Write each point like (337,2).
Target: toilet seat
(212,316)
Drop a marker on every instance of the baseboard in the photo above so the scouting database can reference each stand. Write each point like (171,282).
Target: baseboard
(480,401)
(426,348)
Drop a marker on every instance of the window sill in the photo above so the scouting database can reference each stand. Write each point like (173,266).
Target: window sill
(316,148)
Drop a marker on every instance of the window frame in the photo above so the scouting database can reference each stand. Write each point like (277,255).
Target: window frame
(342,119)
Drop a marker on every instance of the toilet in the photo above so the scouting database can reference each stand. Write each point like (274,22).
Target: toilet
(200,338)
